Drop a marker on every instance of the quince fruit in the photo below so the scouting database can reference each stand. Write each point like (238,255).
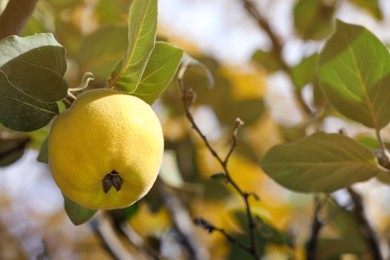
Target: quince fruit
(105,151)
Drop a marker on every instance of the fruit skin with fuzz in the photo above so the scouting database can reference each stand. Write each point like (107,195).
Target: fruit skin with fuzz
(106,140)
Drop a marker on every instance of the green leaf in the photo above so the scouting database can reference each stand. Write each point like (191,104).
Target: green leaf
(219,177)
(101,49)
(305,72)
(24,57)
(43,155)
(347,224)
(292,133)
(370,142)
(153,199)
(255,196)
(334,248)
(31,81)
(38,137)
(69,34)
(313,19)
(266,234)
(141,39)
(130,211)
(11,149)
(62,4)
(36,24)
(268,60)
(320,163)
(159,71)
(108,11)
(189,61)
(20,112)
(354,73)
(371,7)
(124,214)
(215,191)
(246,147)
(384,177)
(199,73)
(248,110)
(77,213)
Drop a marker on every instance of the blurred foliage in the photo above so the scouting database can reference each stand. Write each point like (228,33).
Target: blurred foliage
(266,235)
(345,237)
(98,53)
(314,18)
(12,146)
(373,7)
(305,72)
(94,34)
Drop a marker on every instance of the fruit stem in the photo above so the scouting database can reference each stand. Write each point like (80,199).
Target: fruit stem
(112,179)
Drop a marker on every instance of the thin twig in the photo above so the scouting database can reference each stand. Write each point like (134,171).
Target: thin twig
(365,226)
(188,97)
(277,51)
(316,227)
(239,123)
(15,16)
(211,228)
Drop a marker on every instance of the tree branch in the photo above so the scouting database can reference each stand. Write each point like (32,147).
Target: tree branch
(15,16)
(366,228)
(188,96)
(239,123)
(277,51)
(201,222)
(316,227)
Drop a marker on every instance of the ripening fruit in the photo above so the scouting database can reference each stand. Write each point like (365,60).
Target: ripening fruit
(105,151)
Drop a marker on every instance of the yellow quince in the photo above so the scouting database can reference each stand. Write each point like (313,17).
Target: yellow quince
(105,151)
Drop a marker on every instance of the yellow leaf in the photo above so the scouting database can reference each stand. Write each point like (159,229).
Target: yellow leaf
(147,223)
(247,82)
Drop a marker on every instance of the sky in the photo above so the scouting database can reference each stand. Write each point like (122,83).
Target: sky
(220,28)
